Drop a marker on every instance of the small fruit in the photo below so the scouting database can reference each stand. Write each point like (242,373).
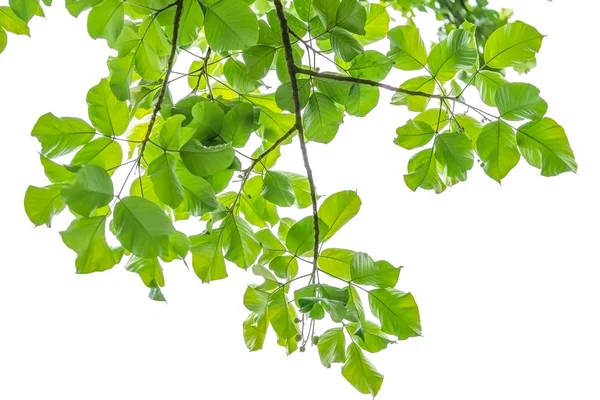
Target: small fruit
(298,338)
(315,340)
(297,320)
(302,349)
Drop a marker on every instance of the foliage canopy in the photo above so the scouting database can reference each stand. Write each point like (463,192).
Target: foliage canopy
(146,160)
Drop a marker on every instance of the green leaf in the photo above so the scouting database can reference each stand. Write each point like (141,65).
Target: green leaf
(91,190)
(365,271)
(108,114)
(272,247)
(170,132)
(106,20)
(370,65)
(414,134)
(331,346)
(147,63)
(344,45)
(24,9)
(179,246)
(336,262)
(487,83)
(336,90)
(208,121)
(360,373)
(12,23)
(452,55)
(207,257)
(238,124)
(397,311)
(42,204)
(322,118)
(239,242)
(86,237)
(497,148)
(301,187)
(377,24)
(151,273)
(281,315)
(256,299)
(256,209)
(204,161)
(56,173)
(142,227)
(192,19)
(437,118)
(362,99)
(103,152)
(454,152)
(258,60)
(167,187)
(198,195)
(3,39)
(512,45)
(237,75)
(518,101)
(544,145)
(422,172)
(469,125)
(76,7)
(326,10)
(230,25)
(407,49)
(368,335)
(284,99)
(300,238)
(424,84)
(338,209)
(59,136)
(352,16)
(355,310)
(121,73)
(284,267)
(278,189)
(255,330)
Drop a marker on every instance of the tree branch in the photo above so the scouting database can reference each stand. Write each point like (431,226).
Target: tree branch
(292,70)
(342,78)
(165,84)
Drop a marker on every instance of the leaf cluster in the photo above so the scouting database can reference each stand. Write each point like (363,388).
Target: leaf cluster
(145,160)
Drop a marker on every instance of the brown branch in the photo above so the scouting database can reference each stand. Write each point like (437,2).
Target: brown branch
(342,78)
(165,84)
(292,70)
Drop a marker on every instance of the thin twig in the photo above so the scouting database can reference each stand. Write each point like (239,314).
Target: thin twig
(292,70)
(165,84)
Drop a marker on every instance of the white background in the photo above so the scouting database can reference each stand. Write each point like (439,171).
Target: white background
(506,277)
